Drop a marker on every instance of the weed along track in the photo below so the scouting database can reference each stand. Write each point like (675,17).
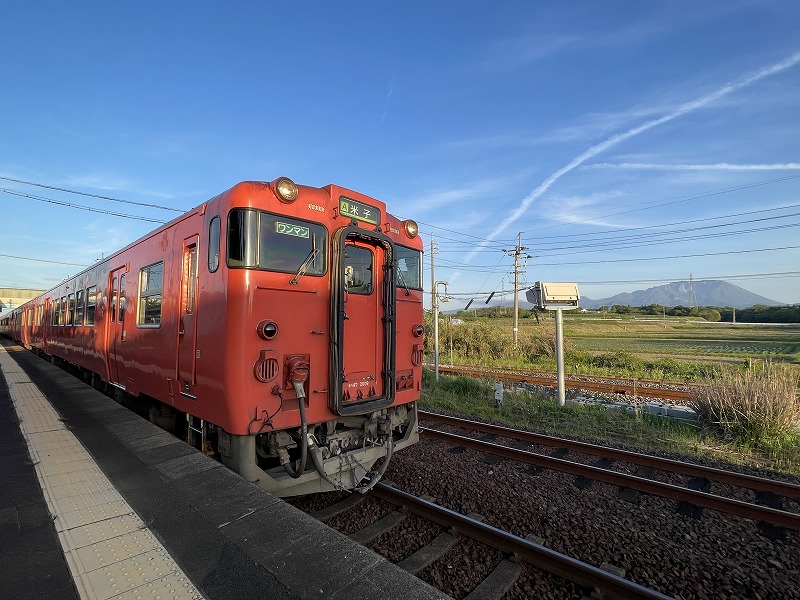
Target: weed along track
(684,545)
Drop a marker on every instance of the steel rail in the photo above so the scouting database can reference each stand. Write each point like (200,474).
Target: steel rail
(571,569)
(738,508)
(613,385)
(780,488)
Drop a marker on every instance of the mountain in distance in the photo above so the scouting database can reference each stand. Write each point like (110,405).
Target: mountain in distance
(720,294)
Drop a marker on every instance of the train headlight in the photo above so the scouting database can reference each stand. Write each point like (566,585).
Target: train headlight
(286,189)
(417,330)
(411,227)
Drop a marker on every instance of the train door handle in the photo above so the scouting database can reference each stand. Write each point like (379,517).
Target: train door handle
(181,328)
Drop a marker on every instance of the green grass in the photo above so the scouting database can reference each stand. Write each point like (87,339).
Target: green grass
(475,398)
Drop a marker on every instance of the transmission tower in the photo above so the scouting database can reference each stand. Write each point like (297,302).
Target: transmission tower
(692,297)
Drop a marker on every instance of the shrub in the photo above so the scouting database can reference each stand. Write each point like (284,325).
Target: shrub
(753,406)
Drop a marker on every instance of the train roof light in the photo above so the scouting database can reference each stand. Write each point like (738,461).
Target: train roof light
(286,189)
(411,227)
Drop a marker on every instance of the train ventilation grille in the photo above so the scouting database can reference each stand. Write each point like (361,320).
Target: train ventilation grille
(266,369)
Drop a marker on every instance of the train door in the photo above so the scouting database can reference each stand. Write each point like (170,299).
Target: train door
(187,323)
(115,324)
(363,321)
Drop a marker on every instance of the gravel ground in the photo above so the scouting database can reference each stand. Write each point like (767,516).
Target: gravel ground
(659,544)
(714,556)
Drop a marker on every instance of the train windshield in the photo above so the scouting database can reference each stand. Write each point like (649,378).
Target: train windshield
(272,242)
(409,267)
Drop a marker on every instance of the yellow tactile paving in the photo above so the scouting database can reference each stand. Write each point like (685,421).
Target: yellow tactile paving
(109,550)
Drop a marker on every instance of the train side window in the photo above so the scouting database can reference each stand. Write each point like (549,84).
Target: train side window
(62,317)
(91,304)
(79,307)
(189,278)
(122,300)
(213,245)
(54,308)
(409,267)
(358,270)
(70,310)
(150,283)
(113,300)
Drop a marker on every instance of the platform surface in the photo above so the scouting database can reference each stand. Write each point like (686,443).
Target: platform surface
(99,503)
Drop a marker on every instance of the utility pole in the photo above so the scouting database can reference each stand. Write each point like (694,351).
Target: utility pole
(435,309)
(517,253)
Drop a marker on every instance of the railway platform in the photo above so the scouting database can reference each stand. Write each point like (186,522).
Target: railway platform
(96,502)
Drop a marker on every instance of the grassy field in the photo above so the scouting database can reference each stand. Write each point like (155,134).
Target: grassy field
(475,398)
(671,349)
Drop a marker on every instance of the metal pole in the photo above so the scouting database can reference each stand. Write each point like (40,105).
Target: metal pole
(560,356)
(435,307)
(516,289)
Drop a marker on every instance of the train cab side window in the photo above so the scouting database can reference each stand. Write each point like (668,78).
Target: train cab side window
(409,267)
(242,238)
(150,283)
(358,270)
(91,304)
(213,245)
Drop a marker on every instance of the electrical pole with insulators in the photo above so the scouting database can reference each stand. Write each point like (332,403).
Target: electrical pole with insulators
(516,252)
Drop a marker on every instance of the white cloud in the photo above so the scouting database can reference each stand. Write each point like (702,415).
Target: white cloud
(614,140)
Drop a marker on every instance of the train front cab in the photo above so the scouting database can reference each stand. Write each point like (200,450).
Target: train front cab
(322,330)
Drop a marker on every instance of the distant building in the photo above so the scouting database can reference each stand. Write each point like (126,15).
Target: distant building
(11,298)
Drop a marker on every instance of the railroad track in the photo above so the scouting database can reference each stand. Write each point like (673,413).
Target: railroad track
(606,583)
(676,391)
(777,517)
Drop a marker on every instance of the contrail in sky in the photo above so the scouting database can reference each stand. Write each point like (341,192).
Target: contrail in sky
(713,167)
(621,137)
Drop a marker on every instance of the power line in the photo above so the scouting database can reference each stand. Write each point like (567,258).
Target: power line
(41,260)
(60,189)
(80,206)
(622,260)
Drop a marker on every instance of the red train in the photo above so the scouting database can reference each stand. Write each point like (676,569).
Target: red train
(276,326)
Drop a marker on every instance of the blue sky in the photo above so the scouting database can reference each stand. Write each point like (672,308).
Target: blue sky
(631,143)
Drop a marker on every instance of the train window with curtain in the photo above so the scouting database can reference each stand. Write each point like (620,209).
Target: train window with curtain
(150,284)
(213,245)
(409,268)
(91,304)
